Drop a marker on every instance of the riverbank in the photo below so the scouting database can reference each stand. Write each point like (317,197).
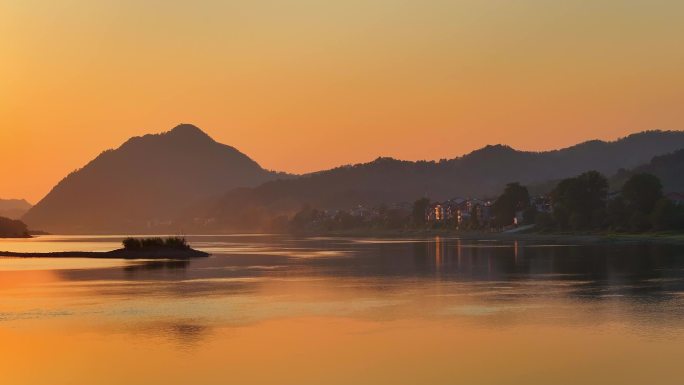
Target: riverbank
(530,236)
(119,254)
(592,238)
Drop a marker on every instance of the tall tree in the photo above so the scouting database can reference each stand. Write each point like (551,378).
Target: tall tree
(419,209)
(667,215)
(641,192)
(580,202)
(514,198)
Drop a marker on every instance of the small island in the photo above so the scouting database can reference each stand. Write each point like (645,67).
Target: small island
(13,228)
(133,248)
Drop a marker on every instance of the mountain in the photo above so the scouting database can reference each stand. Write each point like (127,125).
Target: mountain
(182,180)
(669,168)
(481,173)
(145,183)
(12,228)
(13,208)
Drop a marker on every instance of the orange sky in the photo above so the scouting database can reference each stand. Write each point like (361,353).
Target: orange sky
(305,85)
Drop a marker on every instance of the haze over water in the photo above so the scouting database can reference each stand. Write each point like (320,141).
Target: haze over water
(282,310)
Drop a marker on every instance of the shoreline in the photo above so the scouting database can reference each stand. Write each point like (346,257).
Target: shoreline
(114,254)
(580,238)
(530,236)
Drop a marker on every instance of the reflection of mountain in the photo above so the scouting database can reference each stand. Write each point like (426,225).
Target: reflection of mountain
(481,173)
(147,180)
(13,208)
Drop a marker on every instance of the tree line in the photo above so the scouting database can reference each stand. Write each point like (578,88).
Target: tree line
(583,203)
(580,203)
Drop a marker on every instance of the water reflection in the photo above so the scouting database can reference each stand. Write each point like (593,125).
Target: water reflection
(183,333)
(158,265)
(490,272)
(411,302)
(632,269)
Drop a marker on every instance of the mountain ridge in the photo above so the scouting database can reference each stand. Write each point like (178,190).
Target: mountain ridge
(482,172)
(182,176)
(669,168)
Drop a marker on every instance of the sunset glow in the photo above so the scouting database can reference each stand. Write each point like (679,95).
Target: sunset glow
(341,192)
(307,85)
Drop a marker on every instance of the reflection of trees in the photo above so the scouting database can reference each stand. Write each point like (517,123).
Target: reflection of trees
(158,265)
(596,269)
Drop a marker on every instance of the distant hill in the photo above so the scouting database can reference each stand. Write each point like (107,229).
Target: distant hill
(13,208)
(481,173)
(12,228)
(145,183)
(669,168)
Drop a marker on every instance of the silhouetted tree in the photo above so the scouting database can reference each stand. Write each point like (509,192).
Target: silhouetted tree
(155,243)
(617,214)
(544,221)
(579,201)
(666,215)
(514,198)
(641,192)
(419,208)
(131,244)
(639,221)
(395,218)
(530,215)
(306,218)
(343,220)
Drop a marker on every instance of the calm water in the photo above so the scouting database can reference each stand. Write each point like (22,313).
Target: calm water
(280,310)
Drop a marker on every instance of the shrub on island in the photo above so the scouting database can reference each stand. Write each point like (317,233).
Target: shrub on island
(155,243)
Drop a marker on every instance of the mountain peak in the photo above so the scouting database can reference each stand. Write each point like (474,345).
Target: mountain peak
(148,179)
(188,130)
(496,149)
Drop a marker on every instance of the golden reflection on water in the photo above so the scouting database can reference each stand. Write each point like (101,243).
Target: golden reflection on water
(314,331)
(336,321)
(52,243)
(37,264)
(335,350)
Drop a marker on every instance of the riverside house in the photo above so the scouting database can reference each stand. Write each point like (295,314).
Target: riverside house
(459,211)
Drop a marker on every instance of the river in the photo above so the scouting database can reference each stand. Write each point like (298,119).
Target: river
(272,309)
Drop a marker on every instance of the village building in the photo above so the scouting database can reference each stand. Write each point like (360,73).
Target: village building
(460,211)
